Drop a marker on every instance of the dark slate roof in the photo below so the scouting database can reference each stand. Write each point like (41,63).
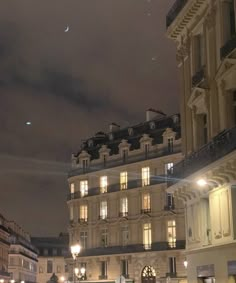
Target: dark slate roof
(51,242)
(138,130)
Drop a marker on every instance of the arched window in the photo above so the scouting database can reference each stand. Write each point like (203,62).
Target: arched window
(148,274)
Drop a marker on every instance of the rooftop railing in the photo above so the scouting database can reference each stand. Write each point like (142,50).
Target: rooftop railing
(132,184)
(221,145)
(157,246)
(174,11)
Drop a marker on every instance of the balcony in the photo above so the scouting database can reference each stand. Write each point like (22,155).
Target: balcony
(4,273)
(174,11)
(157,246)
(221,145)
(123,214)
(94,167)
(133,184)
(102,277)
(169,207)
(83,220)
(102,217)
(198,77)
(228,47)
(145,210)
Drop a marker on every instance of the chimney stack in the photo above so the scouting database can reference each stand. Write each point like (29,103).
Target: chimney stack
(114,127)
(152,114)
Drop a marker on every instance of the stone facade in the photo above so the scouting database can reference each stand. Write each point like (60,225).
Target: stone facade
(119,210)
(22,259)
(53,252)
(4,249)
(204,32)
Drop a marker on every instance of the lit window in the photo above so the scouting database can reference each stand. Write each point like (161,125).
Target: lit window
(103,184)
(168,167)
(83,188)
(123,206)
(83,239)
(103,209)
(147,236)
(71,213)
(125,235)
(72,188)
(171,233)
(146,203)
(83,213)
(123,180)
(104,237)
(145,176)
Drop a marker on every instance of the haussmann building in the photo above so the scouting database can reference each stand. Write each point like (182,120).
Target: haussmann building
(119,210)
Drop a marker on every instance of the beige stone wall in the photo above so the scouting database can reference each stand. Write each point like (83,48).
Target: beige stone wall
(59,264)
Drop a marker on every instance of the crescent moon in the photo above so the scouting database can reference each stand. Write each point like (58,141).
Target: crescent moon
(67,28)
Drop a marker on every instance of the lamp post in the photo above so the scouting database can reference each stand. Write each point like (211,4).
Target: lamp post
(80,273)
(75,250)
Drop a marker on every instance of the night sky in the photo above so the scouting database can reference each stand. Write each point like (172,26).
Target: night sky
(113,64)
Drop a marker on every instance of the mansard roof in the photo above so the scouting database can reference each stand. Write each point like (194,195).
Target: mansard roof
(154,128)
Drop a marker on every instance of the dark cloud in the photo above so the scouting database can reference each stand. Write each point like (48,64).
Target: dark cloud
(70,86)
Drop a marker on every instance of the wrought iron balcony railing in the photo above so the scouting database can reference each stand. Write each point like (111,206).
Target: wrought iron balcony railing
(229,46)
(198,77)
(145,210)
(4,273)
(174,11)
(123,214)
(221,145)
(130,159)
(154,180)
(157,246)
(83,220)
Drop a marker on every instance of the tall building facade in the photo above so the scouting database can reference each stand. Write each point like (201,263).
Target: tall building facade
(4,249)
(53,252)
(22,258)
(204,33)
(119,211)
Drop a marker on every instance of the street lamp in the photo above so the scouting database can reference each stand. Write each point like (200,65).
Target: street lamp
(185,263)
(75,250)
(80,273)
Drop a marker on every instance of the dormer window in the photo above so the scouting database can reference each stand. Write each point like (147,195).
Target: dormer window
(111,136)
(170,145)
(84,158)
(104,153)
(85,164)
(145,143)
(125,155)
(146,149)
(130,131)
(152,125)
(90,143)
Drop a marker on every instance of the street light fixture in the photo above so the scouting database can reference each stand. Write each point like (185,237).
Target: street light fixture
(75,250)
(201,182)
(185,263)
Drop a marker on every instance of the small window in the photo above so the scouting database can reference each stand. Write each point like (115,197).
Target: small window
(172,265)
(103,270)
(124,268)
(83,188)
(49,266)
(83,213)
(58,269)
(103,209)
(145,176)
(170,145)
(104,237)
(123,180)
(103,184)
(146,203)
(83,239)
(147,236)
(72,188)
(171,238)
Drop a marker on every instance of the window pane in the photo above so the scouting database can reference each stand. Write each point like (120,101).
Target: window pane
(103,184)
(84,212)
(103,209)
(123,180)
(171,233)
(146,204)
(72,188)
(147,236)
(83,188)
(145,176)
